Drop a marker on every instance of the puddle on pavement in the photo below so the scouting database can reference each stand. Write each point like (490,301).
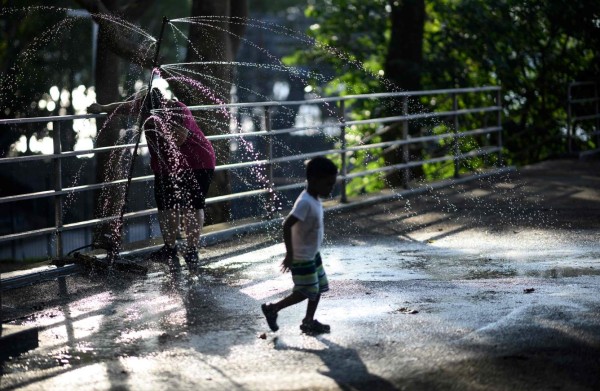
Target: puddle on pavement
(562,272)
(373,263)
(490,274)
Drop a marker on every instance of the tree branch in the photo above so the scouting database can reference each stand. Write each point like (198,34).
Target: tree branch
(135,9)
(116,34)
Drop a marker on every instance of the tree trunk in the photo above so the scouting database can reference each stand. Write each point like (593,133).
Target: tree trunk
(403,64)
(218,42)
(405,53)
(109,165)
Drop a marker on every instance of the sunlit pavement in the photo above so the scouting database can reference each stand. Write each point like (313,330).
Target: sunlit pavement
(494,284)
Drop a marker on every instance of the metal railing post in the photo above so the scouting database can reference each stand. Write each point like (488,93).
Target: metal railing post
(597,112)
(499,123)
(58,205)
(267,188)
(405,155)
(569,121)
(344,167)
(456,146)
(270,207)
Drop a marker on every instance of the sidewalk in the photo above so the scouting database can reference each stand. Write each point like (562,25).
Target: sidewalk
(488,285)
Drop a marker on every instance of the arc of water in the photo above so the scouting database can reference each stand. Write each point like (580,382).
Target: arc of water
(114,251)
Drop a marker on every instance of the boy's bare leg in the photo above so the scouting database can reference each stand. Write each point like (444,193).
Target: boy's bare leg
(169,224)
(193,220)
(311,308)
(294,298)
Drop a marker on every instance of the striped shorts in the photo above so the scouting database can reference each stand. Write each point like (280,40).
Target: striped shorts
(309,277)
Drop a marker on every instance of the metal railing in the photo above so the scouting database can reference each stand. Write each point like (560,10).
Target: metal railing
(344,149)
(583,106)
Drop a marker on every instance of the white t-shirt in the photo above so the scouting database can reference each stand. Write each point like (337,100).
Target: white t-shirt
(307,234)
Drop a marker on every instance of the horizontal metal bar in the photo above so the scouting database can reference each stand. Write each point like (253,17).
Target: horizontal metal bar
(349,97)
(241,165)
(234,135)
(69,190)
(77,225)
(20,159)
(414,140)
(590,152)
(130,215)
(264,162)
(424,115)
(271,103)
(290,187)
(27,120)
(305,156)
(585,117)
(583,100)
(27,234)
(383,120)
(234,196)
(581,83)
(481,151)
(251,193)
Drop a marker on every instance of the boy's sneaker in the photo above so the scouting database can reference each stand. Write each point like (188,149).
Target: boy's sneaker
(164,254)
(314,327)
(191,256)
(271,316)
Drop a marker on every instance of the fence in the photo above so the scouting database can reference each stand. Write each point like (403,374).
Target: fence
(452,129)
(583,117)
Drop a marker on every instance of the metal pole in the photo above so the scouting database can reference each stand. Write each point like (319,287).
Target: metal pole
(456,146)
(58,205)
(344,167)
(405,155)
(597,116)
(569,124)
(137,142)
(499,123)
(271,196)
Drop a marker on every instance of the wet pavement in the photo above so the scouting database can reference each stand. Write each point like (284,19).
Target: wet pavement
(489,285)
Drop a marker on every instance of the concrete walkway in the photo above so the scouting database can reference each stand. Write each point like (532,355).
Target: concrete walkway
(487,285)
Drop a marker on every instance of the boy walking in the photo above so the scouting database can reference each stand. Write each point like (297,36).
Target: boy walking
(303,235)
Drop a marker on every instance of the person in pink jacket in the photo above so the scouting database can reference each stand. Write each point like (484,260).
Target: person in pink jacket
(183,162)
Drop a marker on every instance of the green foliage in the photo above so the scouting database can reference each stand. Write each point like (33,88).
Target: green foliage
(350,37)
(532,48)
(270,6)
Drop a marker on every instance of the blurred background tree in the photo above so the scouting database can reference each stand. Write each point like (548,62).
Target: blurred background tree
(532,48)
(41,41)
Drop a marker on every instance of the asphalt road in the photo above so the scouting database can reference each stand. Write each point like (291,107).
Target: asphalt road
(489,285)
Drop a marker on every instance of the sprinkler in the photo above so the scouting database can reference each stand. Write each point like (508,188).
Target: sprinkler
(113,260)
(113,252)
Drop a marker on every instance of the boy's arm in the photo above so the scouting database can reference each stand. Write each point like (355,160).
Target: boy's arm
(287,240)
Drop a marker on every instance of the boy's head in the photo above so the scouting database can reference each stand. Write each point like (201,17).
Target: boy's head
(321,176)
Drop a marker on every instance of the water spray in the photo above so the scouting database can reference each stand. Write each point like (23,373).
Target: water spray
(113,253)
(113,261)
